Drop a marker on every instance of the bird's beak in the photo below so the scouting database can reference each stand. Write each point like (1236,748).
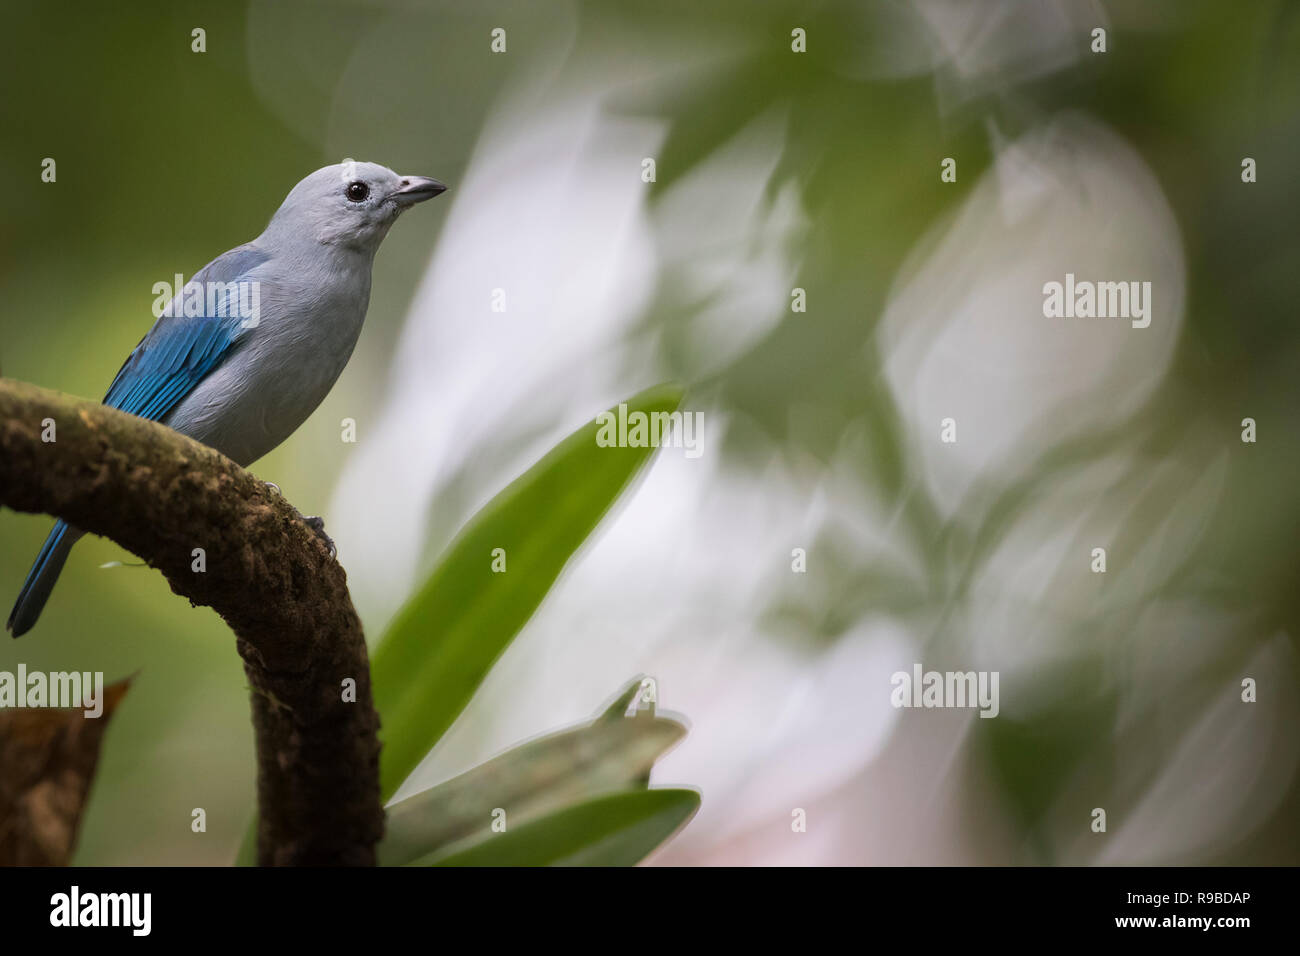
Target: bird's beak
(417,189)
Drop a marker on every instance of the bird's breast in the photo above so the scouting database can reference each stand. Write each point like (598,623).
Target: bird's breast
(280,370)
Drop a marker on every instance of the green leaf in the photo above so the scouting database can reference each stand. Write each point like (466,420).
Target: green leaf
(619,829)
(530,781)
(443,642)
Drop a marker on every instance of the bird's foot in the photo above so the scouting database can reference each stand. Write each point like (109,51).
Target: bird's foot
(317,524)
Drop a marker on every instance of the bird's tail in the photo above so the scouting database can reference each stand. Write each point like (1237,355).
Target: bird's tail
(40,579)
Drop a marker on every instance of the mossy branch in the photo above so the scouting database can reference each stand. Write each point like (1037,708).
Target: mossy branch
(160,495)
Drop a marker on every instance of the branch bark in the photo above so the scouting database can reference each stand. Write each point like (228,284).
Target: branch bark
(160,495)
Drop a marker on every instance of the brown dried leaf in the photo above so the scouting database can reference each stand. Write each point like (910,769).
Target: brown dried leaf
(47,764)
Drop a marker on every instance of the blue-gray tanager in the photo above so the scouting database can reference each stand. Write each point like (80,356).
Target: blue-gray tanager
(242,379)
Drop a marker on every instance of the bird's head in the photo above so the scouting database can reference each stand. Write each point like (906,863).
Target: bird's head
(350,204)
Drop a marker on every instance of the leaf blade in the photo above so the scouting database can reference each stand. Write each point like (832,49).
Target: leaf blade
(619,829)
(422,680)
(531,780)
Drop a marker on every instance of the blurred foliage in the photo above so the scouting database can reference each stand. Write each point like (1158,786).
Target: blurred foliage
(440,646)
(1193,86)
(617,829)
(613,752)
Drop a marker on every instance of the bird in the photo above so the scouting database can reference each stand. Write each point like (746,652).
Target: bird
(250,346)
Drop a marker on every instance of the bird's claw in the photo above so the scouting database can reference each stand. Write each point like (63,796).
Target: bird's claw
(317,524)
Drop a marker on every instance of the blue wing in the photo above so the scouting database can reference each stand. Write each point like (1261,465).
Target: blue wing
(180,350)
(174,357)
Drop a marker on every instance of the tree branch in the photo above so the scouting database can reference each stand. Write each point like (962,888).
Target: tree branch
(160,495)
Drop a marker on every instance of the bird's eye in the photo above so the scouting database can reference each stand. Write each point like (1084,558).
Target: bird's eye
(357,192)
